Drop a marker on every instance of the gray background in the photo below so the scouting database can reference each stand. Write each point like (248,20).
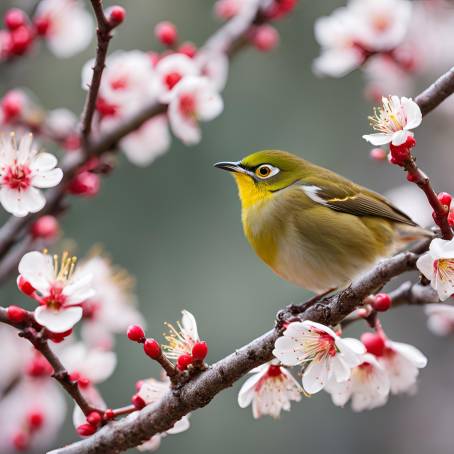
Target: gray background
(176,227)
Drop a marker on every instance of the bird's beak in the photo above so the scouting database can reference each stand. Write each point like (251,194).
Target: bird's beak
(231,167)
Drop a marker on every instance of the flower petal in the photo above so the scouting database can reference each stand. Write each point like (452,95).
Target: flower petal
(377,139)
(315,376)
(58,321)
(37,268)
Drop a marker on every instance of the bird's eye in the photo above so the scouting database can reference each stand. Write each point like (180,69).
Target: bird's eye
(266,171)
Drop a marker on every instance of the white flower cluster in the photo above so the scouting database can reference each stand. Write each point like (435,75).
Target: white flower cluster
(190,87)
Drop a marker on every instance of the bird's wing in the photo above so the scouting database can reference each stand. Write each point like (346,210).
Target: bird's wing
(350,198)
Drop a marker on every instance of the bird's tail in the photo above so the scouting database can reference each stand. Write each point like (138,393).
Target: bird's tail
(406,234)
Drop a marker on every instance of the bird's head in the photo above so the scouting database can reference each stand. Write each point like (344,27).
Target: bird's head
(263,173)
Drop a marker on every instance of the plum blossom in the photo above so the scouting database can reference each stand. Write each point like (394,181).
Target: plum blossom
(87,366)
(57,289)
(61,122)
(31,414)
(170,71)
(129,81)
(194,99)
(112,308)
(181,340)
(214,66)
(394,121)
(440,318)
(66,25)
(437,265)
(22,171)
(321,351)
(402,363)
(148,142)
(151,392)
(354,32)
(270,390)
(368,387)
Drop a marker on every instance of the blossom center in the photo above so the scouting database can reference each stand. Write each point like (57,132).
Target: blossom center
(119,84)
(327,344)
(387,119)
(171,79)
(17,177)
(274,371)
(381,23)
(55,299)
(187,104)
(444,269)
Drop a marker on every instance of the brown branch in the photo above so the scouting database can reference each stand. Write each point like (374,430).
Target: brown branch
(29,330)
(132,431)
(104,36)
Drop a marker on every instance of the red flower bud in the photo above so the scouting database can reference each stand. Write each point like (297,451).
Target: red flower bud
(152,348)
(226,9)
(382,302)
(412,177)
(35,419)
(21,40)
(109,414)
(200,351)
(166,33)
(94,418)
(374,343)
(135,333)
(188,49)
(184,361)
(15,18)
(83,382)
(378,154)
(16,314)
(45,227)
(116,15)
(445,198)
(85,430)
(58,337)
(24,286)
(265,38)
(42,25)
(20,441)
(12,104)
(85,184)
(138,402)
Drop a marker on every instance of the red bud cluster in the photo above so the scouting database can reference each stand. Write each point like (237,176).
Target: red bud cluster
(166,33)
(400,154)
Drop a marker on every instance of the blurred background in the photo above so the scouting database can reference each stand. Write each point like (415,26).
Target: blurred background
(175,226)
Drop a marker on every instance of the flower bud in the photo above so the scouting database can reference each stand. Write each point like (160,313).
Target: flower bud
(94,418)
(445,198)
(135,333)
(83,382)
(42,25)
(138,402)
(116,15)
(85,184)
(265,38)
(382,302)
(200,351)
(226,9)
(412,177)
(166,33)
(109,414)
(15,18)
(20,441)
(188,49)
(374,343)
(378,154)
(45,227)
(12,104)
(184,361)
(16,314)
(24,286)
(21,40)
(58,337)
(85,430)
(152,348)
(35,419)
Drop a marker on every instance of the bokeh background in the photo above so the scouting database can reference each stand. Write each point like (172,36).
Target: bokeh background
(175,226)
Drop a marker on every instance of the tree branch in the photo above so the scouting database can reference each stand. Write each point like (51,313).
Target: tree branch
(104,36)
(135,429)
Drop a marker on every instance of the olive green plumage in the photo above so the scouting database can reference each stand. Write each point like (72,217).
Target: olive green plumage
(312,226)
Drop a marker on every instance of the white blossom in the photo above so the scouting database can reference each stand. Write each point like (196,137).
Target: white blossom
(394,121)
(440,318)
(324,354)
(59,293)
(437,265)
(270,390)
(368,387)
(69,26)
(23,170)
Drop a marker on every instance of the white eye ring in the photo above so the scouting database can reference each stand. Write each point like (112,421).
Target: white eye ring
(266,171)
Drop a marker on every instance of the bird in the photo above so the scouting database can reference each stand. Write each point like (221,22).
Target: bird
(313,227)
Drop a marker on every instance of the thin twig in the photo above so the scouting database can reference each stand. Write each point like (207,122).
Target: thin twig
(104,36)
(29,330)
